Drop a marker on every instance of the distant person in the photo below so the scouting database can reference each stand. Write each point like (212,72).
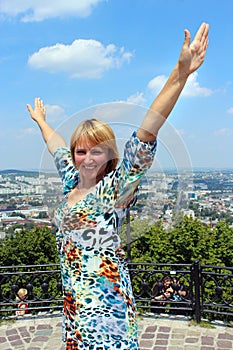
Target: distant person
(99,307)
(21,297)
(179,289)
(180,294)
(168,289)
(161,291)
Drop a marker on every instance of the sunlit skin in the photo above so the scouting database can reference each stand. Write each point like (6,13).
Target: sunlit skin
(166,284)
(91,163)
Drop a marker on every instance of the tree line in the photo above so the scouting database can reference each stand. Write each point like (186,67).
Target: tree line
(188,241)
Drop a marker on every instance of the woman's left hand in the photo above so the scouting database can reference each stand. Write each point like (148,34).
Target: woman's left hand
(193,54)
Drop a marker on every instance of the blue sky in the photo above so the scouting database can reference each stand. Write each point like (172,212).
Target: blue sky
(79,54)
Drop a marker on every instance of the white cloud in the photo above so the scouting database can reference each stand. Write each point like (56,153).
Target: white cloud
(156,84)
(81,59)
(55,113)
(37,10)
(137,98)
(230,110)
(224,132)
(192,87)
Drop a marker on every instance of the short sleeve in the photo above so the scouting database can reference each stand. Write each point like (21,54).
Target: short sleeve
(66,170)
(138,158)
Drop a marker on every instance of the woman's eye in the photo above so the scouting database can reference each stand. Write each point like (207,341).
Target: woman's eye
(80,152)
(96,151)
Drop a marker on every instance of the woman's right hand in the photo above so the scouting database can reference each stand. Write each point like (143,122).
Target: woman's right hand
(38,113)
(53,139)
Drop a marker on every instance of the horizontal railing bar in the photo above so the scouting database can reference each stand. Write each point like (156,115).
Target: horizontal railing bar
(157,264)
(217,312)
(217,267)
(28,266)
(30,272)
(222,306)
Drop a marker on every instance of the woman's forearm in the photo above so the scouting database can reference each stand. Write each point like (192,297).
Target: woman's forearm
(162,106)
(52,139)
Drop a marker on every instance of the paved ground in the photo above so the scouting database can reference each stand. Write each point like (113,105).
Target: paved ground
(161,333)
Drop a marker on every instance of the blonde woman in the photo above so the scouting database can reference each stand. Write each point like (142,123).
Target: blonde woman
(99,308)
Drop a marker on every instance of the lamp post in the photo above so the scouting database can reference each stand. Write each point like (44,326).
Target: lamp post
(128,239)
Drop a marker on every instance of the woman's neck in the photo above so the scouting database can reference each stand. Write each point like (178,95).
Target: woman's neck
(86,185)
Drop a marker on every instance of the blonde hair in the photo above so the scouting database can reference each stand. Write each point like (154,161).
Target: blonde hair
(22,293)
(95,132)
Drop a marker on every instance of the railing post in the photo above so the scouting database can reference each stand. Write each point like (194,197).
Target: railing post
(128,239)
(197,286)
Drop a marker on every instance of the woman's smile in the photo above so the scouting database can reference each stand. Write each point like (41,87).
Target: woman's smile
(91,162)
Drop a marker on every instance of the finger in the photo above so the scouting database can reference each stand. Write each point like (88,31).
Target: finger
(29,108)
(187,37)
(204,41)
(205,37)
(202,32)
(37,102)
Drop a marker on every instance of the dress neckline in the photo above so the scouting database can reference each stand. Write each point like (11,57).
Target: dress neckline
(70,207)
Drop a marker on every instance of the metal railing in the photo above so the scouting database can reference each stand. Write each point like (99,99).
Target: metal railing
(208,289)
(42,282)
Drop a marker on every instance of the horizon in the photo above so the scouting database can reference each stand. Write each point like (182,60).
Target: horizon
(53,171)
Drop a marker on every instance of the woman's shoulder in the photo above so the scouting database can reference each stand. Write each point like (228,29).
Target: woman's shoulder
(61,151)
(63,159)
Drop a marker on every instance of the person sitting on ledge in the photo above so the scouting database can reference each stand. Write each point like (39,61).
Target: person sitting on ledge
(168,289)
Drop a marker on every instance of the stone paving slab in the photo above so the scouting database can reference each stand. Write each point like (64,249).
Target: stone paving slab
(155,333)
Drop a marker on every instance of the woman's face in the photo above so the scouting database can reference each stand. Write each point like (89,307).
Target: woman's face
(91,161)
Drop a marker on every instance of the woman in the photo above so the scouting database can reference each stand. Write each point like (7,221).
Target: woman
(99,309)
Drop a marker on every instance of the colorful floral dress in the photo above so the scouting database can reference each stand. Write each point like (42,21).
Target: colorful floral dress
(99,308)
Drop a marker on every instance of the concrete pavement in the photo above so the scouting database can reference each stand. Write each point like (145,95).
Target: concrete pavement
(155,333)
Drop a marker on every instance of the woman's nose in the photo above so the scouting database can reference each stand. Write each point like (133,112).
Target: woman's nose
(88,158)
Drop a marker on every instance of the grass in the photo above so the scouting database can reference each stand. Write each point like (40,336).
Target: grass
(6,321)
(203,324)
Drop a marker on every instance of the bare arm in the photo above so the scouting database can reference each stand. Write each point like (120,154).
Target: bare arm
(191,57)
(51,137)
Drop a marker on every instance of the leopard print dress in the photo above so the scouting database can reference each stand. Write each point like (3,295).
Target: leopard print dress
(99,308)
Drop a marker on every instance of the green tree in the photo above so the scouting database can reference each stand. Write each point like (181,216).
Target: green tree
(190,240)
(223,243)
(152,245)
(29,247)
(137,229)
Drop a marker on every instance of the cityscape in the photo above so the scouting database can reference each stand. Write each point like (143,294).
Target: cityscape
(29,198)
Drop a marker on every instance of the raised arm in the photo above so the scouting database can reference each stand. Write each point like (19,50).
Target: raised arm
(191,57)
(51,137)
